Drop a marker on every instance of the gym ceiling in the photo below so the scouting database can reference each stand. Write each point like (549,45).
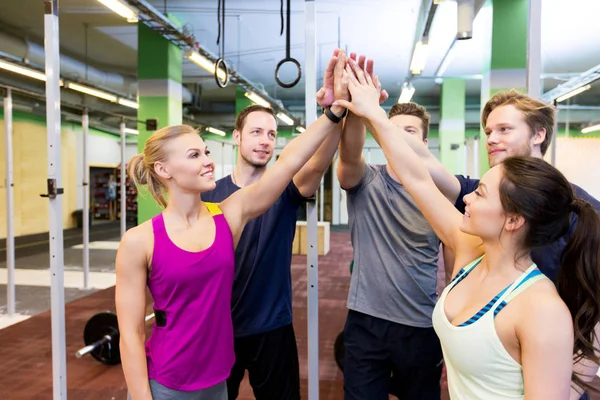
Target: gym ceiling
(385,30)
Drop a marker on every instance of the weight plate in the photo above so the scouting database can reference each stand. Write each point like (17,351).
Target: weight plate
(97,327)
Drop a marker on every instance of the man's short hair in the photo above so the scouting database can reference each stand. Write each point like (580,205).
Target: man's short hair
(416,111)
(240,120)
(537,114)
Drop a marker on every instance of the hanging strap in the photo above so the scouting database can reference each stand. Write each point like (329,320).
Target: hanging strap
(220,64)
(287,58)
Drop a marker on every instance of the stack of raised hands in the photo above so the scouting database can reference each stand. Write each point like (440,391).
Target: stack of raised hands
(347,78)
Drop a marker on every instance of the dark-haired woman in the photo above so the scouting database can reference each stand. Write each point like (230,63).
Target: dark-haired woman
(505,331)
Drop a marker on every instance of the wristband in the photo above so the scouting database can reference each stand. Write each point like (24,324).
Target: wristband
(332,117)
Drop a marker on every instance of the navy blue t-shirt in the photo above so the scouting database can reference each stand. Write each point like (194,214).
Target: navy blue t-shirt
(262,288)
(548,257)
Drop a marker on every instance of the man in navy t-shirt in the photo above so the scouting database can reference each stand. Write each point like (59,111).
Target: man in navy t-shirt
(261,304)
(515,125)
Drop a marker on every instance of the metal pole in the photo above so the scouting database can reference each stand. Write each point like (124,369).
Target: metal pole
(86,201)
(534,49)
(123,187)
(335,194)
(222,160)
(321,199)
(554,139)
(312,260)
(476,158)
(54,194)
(10,205)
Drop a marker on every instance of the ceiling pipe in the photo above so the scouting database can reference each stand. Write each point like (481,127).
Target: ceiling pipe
(25,50)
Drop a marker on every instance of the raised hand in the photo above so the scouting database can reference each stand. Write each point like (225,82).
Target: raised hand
(369,69)
(364,90)
(340,80)
(325,95)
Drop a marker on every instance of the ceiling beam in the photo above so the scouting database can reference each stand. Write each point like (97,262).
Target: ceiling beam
(585,78)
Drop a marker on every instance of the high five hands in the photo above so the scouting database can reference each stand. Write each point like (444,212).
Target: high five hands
(365,90)
(338,76)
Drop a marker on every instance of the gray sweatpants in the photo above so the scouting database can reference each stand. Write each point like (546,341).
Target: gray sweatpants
(159,392)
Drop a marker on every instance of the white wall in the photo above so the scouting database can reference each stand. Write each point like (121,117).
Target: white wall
(578,160)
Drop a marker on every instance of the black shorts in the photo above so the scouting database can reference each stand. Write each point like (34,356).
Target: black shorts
(271,359)
(385,357)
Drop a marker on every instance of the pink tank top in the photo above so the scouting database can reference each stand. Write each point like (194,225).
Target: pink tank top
(191,346)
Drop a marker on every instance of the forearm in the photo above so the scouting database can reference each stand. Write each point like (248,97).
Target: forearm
(352,140)
(307,180)
(135,369)
(447,183)
(305,147)
(403,160)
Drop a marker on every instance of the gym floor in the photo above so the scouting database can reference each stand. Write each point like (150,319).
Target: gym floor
(26,351)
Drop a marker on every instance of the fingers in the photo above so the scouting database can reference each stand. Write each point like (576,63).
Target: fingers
(336,52)
(383,96)
(369,68)
(351,76)
(361,61)
(353,56)
(360,75)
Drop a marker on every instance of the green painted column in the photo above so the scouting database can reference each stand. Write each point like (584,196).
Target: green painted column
(452,125)
(505,65)
(159,96)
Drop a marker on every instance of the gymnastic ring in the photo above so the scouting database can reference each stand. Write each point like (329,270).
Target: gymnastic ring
(220,62)
(288,85)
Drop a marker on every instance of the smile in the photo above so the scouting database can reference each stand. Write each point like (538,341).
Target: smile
(208,174)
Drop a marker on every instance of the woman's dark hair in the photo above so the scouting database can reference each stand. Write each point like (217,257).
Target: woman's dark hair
(535,190)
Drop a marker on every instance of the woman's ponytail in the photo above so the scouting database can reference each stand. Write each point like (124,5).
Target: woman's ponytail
(579,280)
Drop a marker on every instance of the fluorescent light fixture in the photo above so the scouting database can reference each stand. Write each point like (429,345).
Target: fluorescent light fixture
(205,63)
(407,93)
(22,70)
(573,93)
(285,118)
(438,1)
(257,99)
(419,59)
(592,128)
(215,131)
(132,131)
(300,129)
(129,103)
(92,92)
(122,9)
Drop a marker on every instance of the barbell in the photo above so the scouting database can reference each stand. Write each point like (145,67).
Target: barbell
(101,338)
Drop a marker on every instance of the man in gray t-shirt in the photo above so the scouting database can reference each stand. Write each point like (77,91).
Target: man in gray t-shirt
(389,339)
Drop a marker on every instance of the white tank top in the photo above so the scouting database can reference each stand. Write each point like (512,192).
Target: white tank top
(477,364)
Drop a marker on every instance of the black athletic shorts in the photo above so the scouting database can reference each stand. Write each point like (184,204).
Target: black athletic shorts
(385,357)
(271,359)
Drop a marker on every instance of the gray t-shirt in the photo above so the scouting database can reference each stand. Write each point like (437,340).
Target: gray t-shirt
(395,252)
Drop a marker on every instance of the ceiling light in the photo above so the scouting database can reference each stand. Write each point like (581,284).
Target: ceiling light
(300,129)
(92,92)
(129,103)
(592,128)
(205,63)
(23,70)
(573,93)
(407,93)
(285,118)
(122,9)
(132,131)
(215,131)
(419,59)
(257,99)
